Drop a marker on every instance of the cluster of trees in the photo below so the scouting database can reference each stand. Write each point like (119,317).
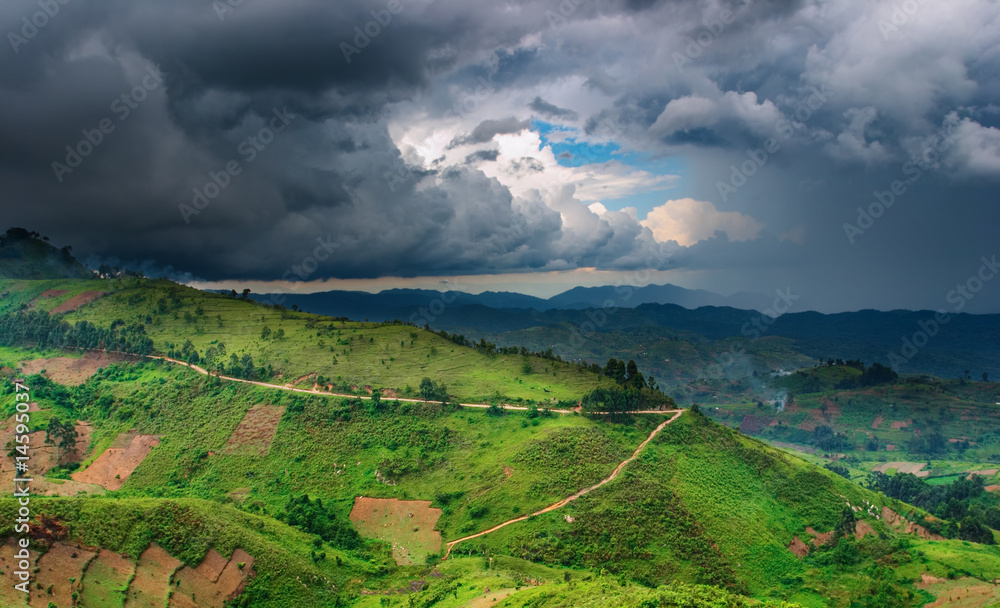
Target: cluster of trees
(954,502)
(36,329)
(614,402)
(826,439)
(872,376)
(625,374)
(312,517)
(931,443)
(491,349)
(433,391)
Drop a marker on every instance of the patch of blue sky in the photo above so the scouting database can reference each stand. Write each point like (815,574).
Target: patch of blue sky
(572,149)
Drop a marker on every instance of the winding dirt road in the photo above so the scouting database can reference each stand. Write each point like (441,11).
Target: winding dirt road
(569,499)
(311,391)
(450,545)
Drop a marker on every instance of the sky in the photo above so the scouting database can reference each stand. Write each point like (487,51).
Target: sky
(848,151)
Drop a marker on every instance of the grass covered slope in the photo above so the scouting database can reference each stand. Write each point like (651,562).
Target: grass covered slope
(701,504)
(480,469)
(306,349)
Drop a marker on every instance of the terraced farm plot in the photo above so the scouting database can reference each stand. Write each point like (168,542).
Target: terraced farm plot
(960,593)
(212,566)
(112,468)
(255,433)
(213,582)
(56,568)
(105,580)
(408,525)
(42,458)
(71,371)
(52,293)
(152,578)
(913,468)
(76,301)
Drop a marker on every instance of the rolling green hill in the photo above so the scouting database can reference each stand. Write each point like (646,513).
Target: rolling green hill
(324,491)
(24,256)
(303,348)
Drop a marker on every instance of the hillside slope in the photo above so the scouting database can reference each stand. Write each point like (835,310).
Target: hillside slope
(24,256)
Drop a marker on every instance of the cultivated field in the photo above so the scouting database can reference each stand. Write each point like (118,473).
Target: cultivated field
(408,525)
(112,468)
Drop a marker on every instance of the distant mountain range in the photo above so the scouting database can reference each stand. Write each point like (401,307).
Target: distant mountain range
(678,340)
(405,303)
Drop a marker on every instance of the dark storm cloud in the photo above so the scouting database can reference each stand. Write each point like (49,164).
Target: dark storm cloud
(550,110)
(661,79)
(488,129)
(481,155)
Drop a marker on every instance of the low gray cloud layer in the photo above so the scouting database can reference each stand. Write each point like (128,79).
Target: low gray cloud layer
(228,143)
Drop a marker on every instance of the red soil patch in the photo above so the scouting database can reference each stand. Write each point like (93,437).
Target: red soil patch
(71,371)
(507,471)
(152,578)
(863,529)
(408,525)
(42,457)
(106,574)
(84,432)
(52,293)
(899,424)
(993,488)
(927,579)
(112,468)
(211,567)
(56,567)
(901,523)
(77,301)
(233,578)
(255,433)
(983,473)
(820,539)
(213,582)
(799,548)
(877,422)
(828,414)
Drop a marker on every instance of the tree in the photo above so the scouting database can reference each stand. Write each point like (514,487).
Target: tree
(280,335)
(986,377)
(376,399)
(265,333)
(633,378)
(246,294)
(63,434)
(848,524)
(433,391)
(972,529)
(615,369)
